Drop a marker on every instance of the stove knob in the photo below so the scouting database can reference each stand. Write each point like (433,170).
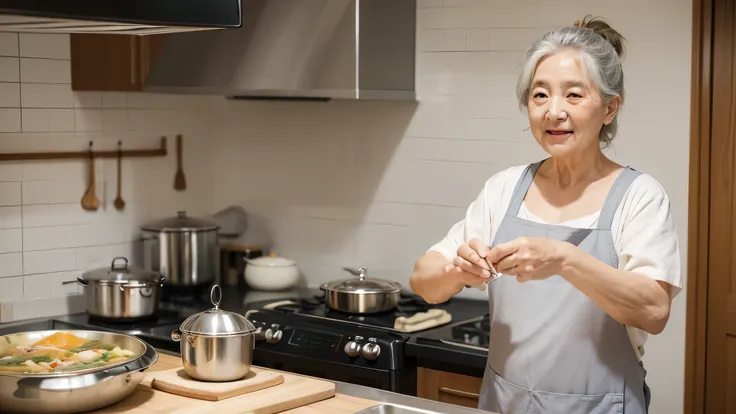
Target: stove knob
(352,348)
(371,351)
(272,336)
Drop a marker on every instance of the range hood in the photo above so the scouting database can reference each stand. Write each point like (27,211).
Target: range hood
(297,49)
(128,17)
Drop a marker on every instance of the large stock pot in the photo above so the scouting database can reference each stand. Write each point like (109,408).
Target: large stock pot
(183,249)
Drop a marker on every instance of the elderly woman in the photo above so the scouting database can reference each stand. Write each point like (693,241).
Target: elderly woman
(580,254)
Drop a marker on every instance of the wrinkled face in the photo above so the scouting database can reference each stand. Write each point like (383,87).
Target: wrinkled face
(566,113)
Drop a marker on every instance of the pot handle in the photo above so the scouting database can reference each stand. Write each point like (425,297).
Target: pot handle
(362,270)
(79,280)
(159,282)
(125,267)
(176,335)
(139,286)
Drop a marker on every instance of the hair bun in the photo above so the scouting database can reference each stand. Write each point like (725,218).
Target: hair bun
(604,29)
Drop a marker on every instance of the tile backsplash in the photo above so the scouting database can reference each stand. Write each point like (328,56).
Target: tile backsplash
(46,238)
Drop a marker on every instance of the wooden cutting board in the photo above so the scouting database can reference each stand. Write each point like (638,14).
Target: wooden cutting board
(176,381)
(295,391)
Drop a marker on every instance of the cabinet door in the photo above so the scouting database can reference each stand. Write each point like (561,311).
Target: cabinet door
(110,62)
(448,387)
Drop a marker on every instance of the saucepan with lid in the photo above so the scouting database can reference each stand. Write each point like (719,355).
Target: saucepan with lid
(121,292)
(362,294)
(216,345)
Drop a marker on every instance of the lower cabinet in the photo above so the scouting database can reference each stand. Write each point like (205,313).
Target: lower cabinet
(448,387)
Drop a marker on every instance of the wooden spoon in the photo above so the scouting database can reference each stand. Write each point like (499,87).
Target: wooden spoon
(90,202)
(119,203)
(180,182)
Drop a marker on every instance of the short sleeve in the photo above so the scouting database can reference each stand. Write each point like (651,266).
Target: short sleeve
(475,224)
(648,243)
(478,221)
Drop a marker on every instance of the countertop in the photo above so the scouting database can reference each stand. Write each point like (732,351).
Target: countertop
(349,398)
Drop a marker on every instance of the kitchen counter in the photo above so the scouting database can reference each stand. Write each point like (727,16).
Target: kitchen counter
(349,398)
(424,349)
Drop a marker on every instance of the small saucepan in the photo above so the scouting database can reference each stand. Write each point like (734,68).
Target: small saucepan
(362,295)
(216,345)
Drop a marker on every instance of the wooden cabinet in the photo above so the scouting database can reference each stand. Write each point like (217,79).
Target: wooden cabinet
(448,387)
(109,62)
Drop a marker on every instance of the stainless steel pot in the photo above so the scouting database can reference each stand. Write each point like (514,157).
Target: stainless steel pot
(121,292)
(216,345)
(361,294)
(75,392)
(183,249)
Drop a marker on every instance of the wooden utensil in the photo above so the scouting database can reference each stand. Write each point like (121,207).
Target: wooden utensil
(90,202)
(180,182)
(119,203)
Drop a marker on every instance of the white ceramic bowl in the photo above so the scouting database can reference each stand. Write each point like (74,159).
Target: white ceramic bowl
(271,273)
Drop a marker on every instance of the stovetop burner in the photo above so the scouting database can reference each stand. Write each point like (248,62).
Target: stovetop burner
(316,306)
(471,333)
(474,333)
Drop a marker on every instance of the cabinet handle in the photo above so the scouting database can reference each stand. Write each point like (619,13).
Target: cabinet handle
(458,393)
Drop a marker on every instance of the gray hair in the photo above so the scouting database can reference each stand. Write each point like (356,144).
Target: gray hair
(599,47)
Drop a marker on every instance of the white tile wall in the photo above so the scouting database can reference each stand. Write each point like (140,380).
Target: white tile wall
(45,236)
(359,183)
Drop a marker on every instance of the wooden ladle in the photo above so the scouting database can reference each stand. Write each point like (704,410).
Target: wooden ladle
(180,181)
(90,202)
(119,203)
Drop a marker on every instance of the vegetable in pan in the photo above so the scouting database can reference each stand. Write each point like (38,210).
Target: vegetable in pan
(61,352)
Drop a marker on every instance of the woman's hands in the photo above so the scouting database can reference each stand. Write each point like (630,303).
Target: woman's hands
(526,258)
(530,258)
(470,264)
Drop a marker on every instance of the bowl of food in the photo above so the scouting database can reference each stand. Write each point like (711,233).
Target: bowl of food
(70,371)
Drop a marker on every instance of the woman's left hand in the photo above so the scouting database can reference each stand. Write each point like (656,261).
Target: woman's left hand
(529,258)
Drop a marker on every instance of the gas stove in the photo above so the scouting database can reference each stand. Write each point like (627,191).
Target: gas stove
(307,337)
(303,334)
(316,307)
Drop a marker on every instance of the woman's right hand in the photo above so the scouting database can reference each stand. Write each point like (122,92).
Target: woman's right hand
(470,264)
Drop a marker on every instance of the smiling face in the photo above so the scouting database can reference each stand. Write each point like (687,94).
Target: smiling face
(566,111)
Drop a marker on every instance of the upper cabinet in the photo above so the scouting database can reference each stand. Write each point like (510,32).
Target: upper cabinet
(344,49)
(112,62)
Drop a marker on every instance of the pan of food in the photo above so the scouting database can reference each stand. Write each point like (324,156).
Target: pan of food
(69,371)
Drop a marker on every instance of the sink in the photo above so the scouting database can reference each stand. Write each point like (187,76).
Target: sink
(393,409)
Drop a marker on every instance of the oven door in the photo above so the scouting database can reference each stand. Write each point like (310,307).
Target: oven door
(381,379)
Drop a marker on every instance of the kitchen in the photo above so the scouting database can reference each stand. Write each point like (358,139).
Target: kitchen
(336,184)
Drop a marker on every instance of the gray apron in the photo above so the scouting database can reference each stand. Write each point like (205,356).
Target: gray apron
(552,349)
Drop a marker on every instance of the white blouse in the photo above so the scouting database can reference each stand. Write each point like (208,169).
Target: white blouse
(643,230)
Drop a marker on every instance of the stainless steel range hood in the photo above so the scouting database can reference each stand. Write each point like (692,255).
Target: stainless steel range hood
(128,17)
(297,49)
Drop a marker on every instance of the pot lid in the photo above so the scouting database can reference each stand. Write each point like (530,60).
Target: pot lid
(362,284)
(271,261)
(215,321)
(121,272)
(181,223)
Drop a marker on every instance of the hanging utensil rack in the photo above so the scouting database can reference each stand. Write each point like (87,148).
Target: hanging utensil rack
(159,152)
